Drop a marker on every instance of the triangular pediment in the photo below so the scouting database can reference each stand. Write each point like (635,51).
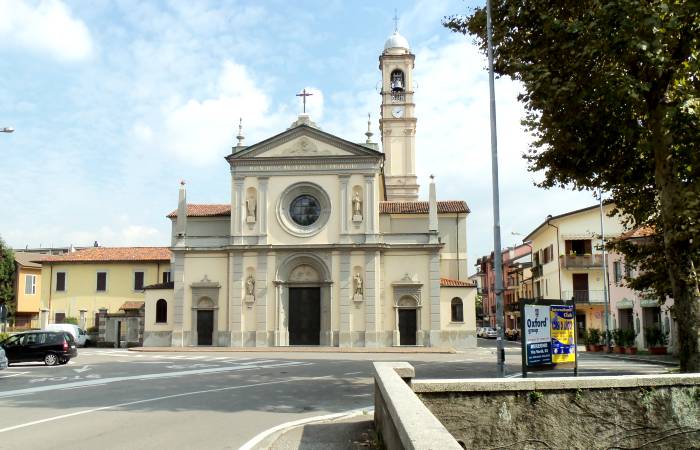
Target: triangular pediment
(304,141)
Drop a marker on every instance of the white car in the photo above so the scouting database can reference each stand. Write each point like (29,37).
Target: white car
(80,336)
(490,333)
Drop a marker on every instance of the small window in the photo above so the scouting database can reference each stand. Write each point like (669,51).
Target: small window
(60,281)
(617,272)
(138,281)
(166,277)
(101,281)
(457,310)
(30,284)
(161,311)
(60,317)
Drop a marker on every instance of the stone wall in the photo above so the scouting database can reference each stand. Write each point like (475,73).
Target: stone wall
(648,411)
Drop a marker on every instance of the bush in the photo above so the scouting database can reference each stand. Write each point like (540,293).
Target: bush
(628,336)
(617,337)
(592,336)
(655,337)
(4,336)
(71,320)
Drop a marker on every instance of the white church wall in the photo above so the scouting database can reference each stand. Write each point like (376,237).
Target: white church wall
(398,263)
(458,334)
(213,265)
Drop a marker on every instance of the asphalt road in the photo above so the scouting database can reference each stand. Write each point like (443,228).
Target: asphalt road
(114,399)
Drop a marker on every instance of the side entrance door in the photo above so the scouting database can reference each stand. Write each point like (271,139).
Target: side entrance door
(580,282)
(407,326)
(304,316)
(205,326)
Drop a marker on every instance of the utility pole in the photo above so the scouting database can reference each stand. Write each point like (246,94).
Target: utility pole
(606,299)
(497,256)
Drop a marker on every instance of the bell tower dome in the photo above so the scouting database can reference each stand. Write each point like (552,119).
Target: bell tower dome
(397,121)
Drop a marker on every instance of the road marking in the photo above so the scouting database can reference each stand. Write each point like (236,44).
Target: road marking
(295,423)
(13,374)
(351,373)
(151,376)
(147,400)
(83,369)
(514,375)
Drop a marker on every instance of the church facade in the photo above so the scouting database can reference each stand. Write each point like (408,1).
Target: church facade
(324,243)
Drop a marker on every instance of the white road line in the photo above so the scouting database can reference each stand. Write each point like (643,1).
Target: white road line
(514,375)
(295,423)
(147,400)
(151,376)
(13,374)
(351,373)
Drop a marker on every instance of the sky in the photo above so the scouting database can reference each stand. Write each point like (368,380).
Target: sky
(115,102)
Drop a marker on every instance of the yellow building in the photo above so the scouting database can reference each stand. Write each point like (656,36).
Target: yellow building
(80,283)
(567,261)
(27,290)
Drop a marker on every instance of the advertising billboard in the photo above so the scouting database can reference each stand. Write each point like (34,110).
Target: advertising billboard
(536,335)
(562,332)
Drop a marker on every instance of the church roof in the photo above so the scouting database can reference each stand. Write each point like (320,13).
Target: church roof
(443,207)
(449,282)
(204,210)
(111,254)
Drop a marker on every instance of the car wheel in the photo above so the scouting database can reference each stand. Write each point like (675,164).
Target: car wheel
(50,359)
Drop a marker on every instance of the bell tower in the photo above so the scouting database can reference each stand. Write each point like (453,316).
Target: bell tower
(397,121)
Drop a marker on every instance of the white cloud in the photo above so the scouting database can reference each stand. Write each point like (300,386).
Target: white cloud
(47,26)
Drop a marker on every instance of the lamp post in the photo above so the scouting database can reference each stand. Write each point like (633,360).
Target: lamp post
(604,263)
(7,130)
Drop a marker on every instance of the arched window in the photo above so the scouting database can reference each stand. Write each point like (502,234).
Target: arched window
(457,310)
(397,81)
(161,311)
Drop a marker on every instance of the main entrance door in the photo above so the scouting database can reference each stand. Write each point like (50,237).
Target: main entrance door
(304,316)
(407,326)
(205,326)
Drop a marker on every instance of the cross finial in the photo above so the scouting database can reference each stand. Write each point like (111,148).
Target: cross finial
(432,177)
(240,136)
(303,95)
(396,21)
(182,182)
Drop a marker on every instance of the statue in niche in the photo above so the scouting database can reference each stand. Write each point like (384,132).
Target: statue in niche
(251,210)
(250,289)
(356,208)
(359,287)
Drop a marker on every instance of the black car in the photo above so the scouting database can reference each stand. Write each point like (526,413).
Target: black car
(52,347)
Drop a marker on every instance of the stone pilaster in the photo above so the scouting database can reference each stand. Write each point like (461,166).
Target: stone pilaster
(370,209)
(236,314)
(178,274)
(344,216)
(373,319)
(434,290)
(262,209)
(237,203)
(345,337)
(261,302)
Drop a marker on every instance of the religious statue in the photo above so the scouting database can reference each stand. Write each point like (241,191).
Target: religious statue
(359,287)
(251,209)
(250,288)
(356,208)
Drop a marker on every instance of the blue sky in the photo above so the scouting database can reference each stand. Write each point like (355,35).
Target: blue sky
(114,102)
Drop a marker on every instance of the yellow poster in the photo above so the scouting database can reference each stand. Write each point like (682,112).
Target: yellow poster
(562,332)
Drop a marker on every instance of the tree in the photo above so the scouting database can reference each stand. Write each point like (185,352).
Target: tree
(7,278)
(612,97)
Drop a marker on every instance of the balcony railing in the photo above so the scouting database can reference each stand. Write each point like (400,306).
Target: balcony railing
(581,261)
(584,296)
(536,271)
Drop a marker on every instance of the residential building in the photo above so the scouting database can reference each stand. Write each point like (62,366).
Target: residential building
(567,261)
(80,283)
(636,310)
(324,242)
(27,290)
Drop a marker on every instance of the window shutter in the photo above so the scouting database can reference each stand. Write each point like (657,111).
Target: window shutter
(138,281)
(60,281)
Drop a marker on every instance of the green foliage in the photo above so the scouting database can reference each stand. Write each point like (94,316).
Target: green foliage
(611,91)
(625,337)
(93,329)
(655,337)
(7,277)
(617,337)
(3,336)
(71,320)
(592,336)
(535,396)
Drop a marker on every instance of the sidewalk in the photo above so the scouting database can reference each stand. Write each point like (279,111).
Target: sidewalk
(316,349)
(664,360)
(348,433)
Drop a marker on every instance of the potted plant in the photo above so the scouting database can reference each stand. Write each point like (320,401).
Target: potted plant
(592,338)
(629,336)
(656,340)
(619,339)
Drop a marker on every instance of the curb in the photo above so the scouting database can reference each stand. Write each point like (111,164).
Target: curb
(405,350)
(282,428)
(644,360)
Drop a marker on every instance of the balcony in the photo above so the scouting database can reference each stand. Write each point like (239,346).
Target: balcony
(536,271)
(585,296)
(581,261)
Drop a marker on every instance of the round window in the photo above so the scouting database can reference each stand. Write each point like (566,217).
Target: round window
(305,210)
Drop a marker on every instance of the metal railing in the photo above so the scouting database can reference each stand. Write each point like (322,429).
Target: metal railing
(581,261)
(584,296)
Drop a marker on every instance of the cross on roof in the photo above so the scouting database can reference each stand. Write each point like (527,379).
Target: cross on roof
(303,95)
(396,21)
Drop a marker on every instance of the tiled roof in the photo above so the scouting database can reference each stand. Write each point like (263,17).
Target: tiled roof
(111,254)
(168,285)
(443,207)
(132,305)
(205,210)
(641,232)
(448,282)
(28,259)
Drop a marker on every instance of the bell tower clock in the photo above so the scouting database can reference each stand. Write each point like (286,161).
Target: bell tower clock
(397,121)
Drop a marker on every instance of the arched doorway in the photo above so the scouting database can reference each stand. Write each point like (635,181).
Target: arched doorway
(304,305)
(205,321)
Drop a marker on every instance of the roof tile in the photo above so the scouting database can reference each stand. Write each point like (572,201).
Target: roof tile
(449,282)
(111,254)
(421,207)
(205,210)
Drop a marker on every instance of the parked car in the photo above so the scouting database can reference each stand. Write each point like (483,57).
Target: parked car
(3,359)
(480,332)
(512,334)
(490,333)
(52,347)
(79,335)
